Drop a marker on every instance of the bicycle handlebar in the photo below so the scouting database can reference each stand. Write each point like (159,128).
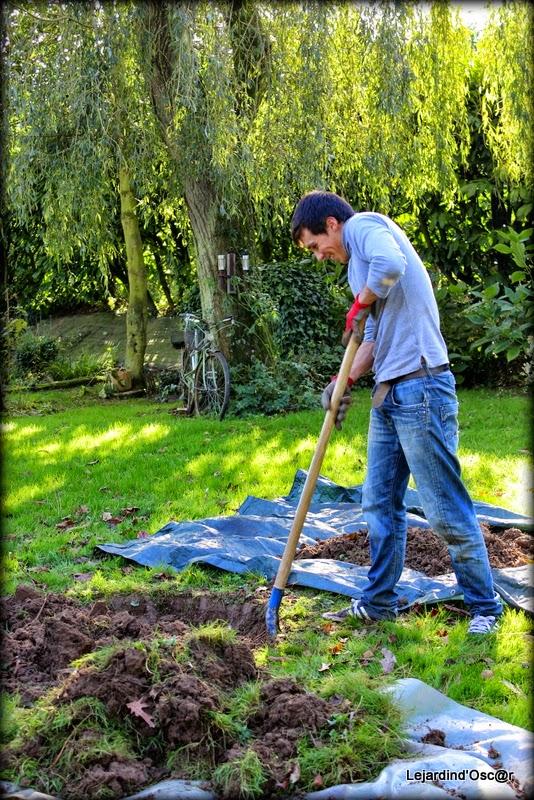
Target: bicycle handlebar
(190,317)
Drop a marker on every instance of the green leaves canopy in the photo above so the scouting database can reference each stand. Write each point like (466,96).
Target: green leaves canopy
(266,101)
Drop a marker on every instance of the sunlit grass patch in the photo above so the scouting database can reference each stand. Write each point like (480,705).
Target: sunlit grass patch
(88,459)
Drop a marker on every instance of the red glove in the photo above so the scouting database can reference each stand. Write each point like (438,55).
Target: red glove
(355,308)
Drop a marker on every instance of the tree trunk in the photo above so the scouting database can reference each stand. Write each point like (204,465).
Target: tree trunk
(202,206)
(136,317)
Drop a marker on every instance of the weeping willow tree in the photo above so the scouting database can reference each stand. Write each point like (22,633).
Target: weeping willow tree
(368,100)
(504,55)
(247,105)
(206,65)
(80,134)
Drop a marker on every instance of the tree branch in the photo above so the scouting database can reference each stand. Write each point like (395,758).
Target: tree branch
(53,21)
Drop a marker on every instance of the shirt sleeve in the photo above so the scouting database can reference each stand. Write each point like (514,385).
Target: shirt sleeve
(376,245)
(369,329)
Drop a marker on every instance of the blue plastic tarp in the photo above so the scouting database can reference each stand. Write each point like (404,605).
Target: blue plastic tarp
(253,540)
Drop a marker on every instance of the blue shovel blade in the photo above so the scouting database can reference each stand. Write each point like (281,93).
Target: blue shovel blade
(271,614)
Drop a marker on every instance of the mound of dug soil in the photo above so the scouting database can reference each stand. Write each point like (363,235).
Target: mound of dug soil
(425,551)
(150,700)
(44,633)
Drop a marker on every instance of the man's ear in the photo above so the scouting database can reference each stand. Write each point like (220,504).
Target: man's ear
(332,224)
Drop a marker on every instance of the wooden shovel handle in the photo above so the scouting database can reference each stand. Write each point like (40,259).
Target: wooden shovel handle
(317,460)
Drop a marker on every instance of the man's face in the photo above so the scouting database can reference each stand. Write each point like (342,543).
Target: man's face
(326,245)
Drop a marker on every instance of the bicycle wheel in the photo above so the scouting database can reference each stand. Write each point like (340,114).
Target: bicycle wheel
(188,382)
(212,385)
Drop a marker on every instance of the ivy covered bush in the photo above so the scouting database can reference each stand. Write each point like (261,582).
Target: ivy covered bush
(302,307)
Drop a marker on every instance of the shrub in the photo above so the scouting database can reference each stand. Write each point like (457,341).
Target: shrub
(299,310)
(30,357)
(505,316)
(470,368)
(85,365)
(262,389)
(310,305)
(34,354)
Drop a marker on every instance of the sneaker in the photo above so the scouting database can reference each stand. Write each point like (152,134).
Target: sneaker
(482,625)
(338,616)
(356,609)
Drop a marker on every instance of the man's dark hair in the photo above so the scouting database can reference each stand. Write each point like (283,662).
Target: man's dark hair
(313,209)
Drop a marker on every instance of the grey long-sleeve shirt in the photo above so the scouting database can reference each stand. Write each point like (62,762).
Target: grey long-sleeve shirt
(404,324)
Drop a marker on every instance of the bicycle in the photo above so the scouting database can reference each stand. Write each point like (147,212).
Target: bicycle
(205,375)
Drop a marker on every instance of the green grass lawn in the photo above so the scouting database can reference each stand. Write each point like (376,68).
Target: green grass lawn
(69,455)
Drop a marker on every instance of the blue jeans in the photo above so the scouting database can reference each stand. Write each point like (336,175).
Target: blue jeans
(415,431)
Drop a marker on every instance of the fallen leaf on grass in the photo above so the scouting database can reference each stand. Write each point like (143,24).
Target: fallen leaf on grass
(367,657)
(294,775)
(337,647)
(129,510)
(137,707)
(324,666)
(328,627)
(513,688)
(82,510)
(65,524)
(108,517)
(486,673)
(388,662)
(162,576)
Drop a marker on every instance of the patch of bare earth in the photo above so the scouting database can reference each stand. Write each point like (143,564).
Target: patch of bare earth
(168,706)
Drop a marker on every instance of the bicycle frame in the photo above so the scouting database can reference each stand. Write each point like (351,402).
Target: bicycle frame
(205,371)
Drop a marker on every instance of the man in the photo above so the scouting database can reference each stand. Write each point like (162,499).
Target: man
(413,427)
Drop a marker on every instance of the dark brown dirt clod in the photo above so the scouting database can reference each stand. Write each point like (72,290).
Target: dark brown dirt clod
(434,736)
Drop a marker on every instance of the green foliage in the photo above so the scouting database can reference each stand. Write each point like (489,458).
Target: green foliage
(309,305)
(85,365)
(504,314)
(507,72)
(299,307)
(470,367)
(32,358)
(427,122)
(514,243)
(262,389)
(33,354)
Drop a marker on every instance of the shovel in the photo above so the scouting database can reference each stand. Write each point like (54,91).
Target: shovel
(277,592)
